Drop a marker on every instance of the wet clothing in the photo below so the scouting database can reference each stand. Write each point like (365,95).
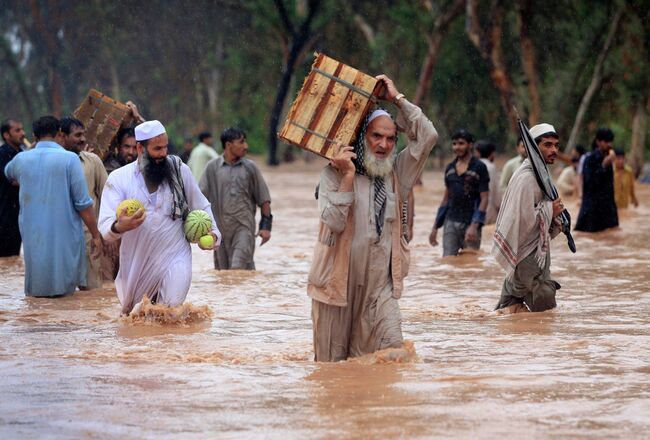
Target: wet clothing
(199,158)
(494,199)
(624,187)
(356,276)
(531,285)
(453,238)
(464,197)
(155,258)
(235,191)
(598,208)
(522,238)
(52,192)
(9,208)
(508,170)
(96,176)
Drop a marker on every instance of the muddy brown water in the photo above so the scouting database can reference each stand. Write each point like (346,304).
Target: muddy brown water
(70,368)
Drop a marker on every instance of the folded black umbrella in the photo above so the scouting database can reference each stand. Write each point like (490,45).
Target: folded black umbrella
(544,179)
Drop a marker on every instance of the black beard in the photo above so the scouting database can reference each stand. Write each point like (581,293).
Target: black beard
(156,173)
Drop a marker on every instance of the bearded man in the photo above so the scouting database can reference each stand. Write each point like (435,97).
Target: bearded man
(361,255)
(74,140)
(526,224)
(155,257)
(125,152)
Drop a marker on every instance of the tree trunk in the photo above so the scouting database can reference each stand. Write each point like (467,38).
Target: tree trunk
(299,39)
(434,41)
(488,43)
(639,130)
(13,64)
(596,80)
(524,14)
(214,85)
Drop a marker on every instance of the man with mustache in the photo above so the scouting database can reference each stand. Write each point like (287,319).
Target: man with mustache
(526,224)
(126,151)
(74,140)
(13,136)
(361,256)
(155,257)
(235,187)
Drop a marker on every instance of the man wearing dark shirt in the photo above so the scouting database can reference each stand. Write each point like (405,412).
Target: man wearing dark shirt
(463,206)
(13,136)
(126,152)
(598,208)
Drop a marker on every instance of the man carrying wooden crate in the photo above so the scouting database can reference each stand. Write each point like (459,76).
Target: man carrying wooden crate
(362,256)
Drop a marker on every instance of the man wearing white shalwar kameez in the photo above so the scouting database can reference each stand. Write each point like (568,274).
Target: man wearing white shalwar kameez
(155,257)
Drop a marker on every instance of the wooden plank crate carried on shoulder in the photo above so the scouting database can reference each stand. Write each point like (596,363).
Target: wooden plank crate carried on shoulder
(330,107)
(102,116)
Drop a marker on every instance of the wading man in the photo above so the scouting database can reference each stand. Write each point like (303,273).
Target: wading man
(525,226)
(463,207)
(235,188)
(13,136)
(361,255)
(74,140)
(53,202)
(155,257)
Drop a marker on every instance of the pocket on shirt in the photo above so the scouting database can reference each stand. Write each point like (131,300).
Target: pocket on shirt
(390,211)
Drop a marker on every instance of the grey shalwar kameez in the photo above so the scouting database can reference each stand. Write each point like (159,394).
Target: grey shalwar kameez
(370,320)
(234,190)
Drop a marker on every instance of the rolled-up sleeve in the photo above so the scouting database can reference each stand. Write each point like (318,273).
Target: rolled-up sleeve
(78,186)
(334,205)
(422,137)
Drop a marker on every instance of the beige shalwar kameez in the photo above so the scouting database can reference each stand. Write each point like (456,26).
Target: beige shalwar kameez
(96,176)
(354,293)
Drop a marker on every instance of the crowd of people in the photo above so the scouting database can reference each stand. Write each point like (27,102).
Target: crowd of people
(61,202)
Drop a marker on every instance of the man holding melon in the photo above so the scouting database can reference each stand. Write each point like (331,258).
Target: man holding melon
(147,204)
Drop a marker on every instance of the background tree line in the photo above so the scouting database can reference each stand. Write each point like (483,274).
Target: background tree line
(208,64)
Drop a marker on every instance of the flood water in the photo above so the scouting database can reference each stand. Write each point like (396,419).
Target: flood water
(71,368)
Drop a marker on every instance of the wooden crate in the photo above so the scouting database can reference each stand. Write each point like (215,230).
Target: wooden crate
(330,107)
(102,116)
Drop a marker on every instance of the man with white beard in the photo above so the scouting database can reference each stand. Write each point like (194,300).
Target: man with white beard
(361,256)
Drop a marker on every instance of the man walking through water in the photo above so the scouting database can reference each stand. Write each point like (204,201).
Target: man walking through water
(235,188)
(155,257)
(526,224)
(361,255)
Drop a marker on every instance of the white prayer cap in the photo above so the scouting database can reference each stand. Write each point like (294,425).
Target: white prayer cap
(377,113)
(540,129)
(148,130)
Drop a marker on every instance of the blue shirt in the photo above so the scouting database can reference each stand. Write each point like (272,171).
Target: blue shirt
(52,191)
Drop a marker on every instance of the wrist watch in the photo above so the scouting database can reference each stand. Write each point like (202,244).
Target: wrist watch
(398,97)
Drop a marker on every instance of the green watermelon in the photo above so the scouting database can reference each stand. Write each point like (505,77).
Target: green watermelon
(197,224)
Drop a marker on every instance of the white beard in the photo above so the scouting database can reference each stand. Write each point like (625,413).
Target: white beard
(376,167)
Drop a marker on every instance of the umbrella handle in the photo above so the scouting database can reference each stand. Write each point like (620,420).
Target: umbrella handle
(566,229)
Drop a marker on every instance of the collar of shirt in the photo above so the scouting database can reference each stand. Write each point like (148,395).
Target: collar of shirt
(47,144)
(224,162)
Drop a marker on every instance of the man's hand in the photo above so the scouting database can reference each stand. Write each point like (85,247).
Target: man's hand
(558,207)
(391,91)
(266,236)
(342,158)
(125,223)
(96,246)
(134,112)
(433,237)
(471,234)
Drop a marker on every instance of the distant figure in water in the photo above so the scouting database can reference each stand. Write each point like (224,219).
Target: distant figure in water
(54,201)
(623,182)
(155,257)
(361,255)
(598,208)
(526,224)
